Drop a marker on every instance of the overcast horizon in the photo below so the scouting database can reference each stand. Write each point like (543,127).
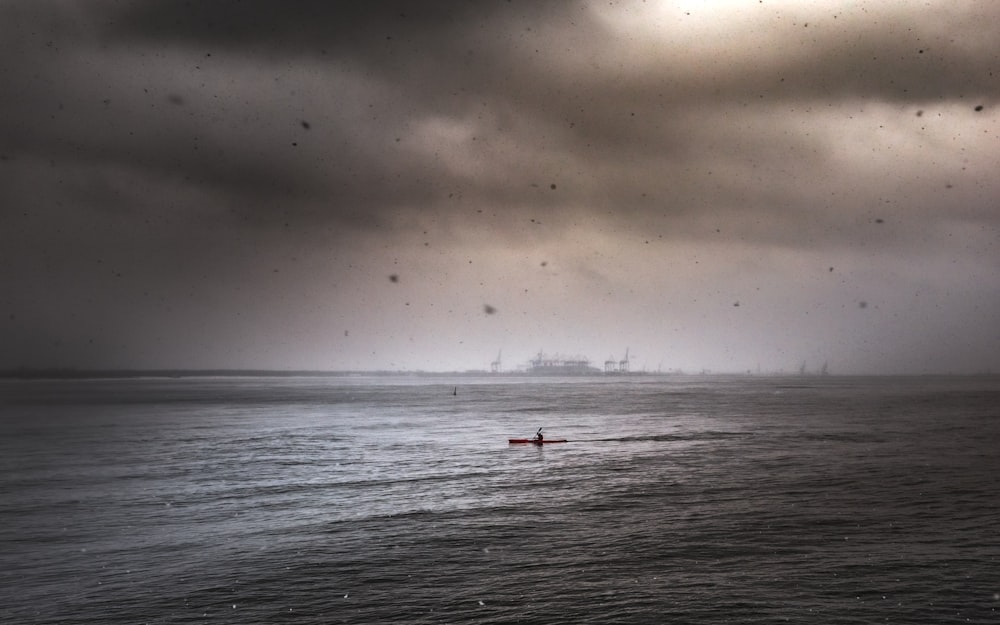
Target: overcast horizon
(727,186)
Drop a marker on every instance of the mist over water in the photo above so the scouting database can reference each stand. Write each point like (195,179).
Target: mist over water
(361,500)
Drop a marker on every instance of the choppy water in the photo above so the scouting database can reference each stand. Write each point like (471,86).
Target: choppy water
(682,500)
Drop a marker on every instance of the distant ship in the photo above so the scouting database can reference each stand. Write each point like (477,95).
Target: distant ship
(554,365)
(544,364)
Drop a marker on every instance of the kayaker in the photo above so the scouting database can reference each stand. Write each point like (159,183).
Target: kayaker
(538,435)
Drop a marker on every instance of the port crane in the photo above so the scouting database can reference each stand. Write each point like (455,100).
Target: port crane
(621,366)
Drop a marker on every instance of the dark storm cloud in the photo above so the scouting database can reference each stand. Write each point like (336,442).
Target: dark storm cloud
(561,86)
(549,93)
(308,25)
(426,60)
(252,148)
(894,54)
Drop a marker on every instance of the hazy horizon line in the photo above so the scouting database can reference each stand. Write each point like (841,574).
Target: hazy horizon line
(174,372)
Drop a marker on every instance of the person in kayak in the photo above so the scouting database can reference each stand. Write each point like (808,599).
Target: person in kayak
(538,435)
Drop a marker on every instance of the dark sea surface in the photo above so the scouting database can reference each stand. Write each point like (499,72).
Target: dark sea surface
(681,499)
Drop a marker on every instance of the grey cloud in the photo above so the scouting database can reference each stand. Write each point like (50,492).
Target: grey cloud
(220,140)
(494,64)
(301,26)
(895,54)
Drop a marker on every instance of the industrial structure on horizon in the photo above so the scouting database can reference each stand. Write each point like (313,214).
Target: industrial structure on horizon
(544,364)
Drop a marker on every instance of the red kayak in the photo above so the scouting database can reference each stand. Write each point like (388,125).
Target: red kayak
(534,441)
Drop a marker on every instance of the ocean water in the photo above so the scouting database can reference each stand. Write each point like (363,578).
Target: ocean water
(679,499)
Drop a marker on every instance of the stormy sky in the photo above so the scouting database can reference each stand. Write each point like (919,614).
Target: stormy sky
(729,186)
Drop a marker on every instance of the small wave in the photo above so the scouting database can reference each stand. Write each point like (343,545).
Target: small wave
(662,438)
